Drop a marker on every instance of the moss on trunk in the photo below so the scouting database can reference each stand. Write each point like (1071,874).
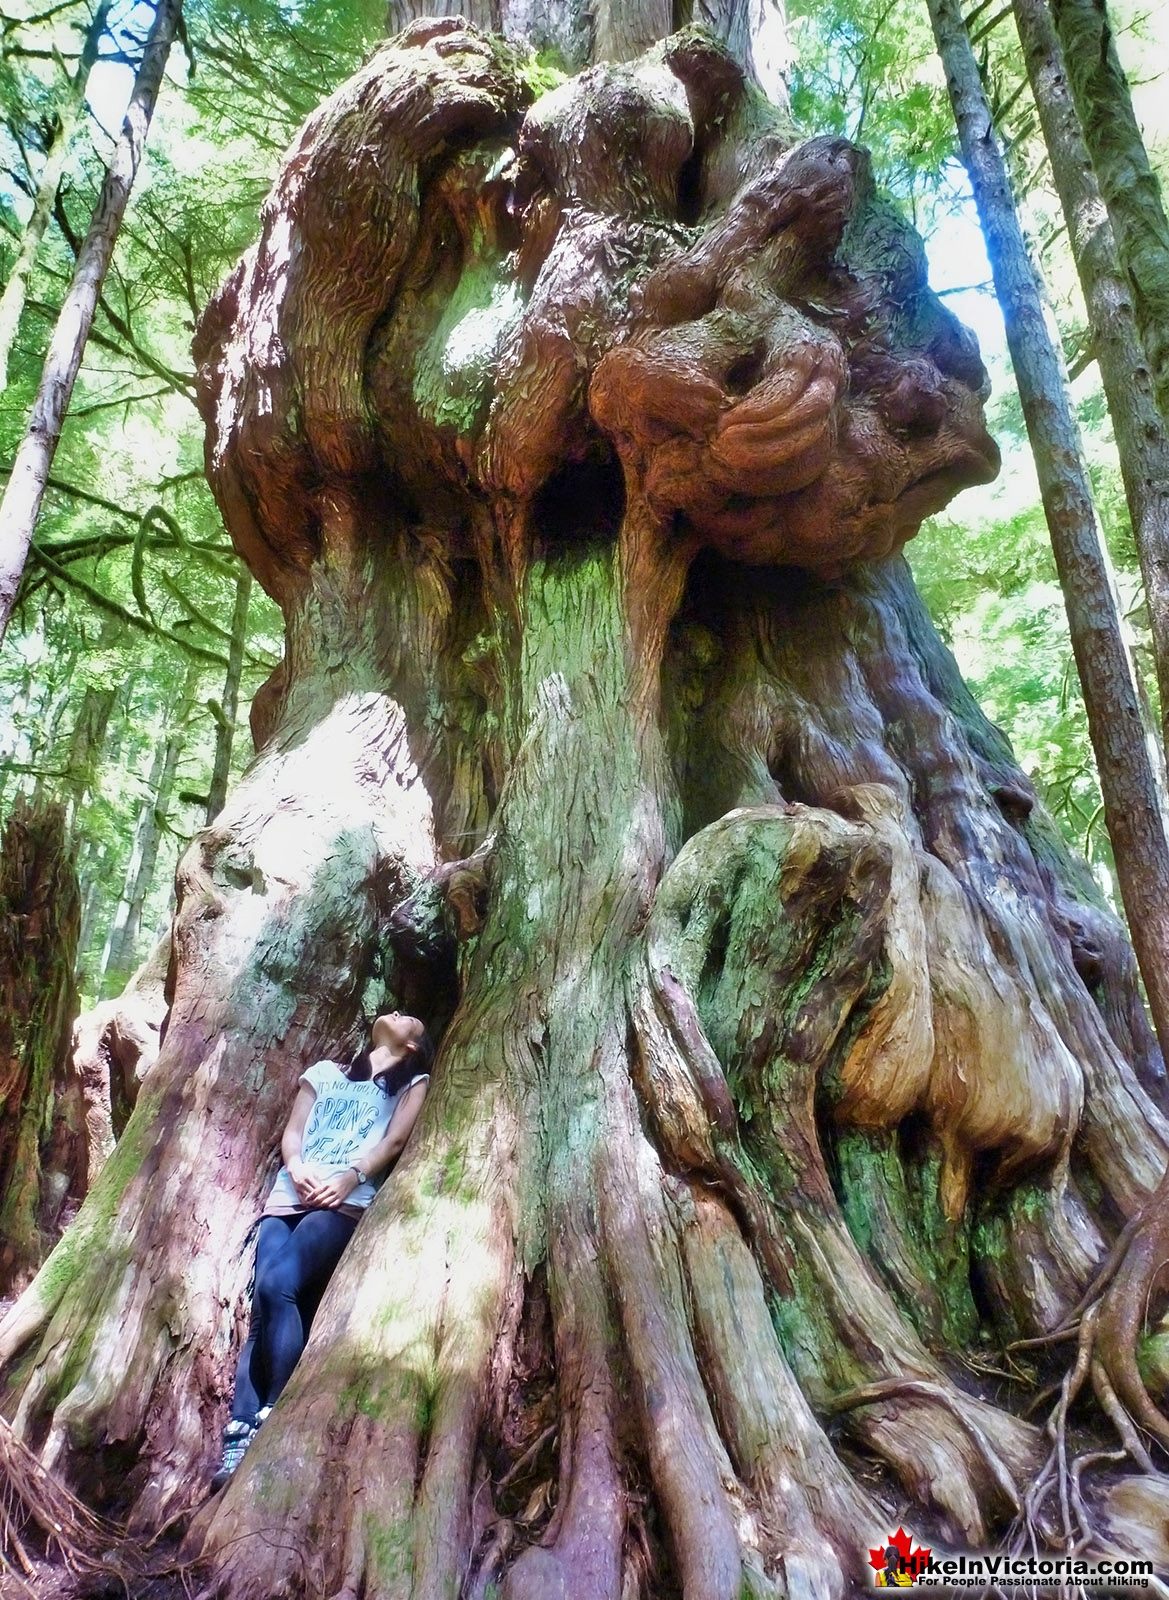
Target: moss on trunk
(43,1150)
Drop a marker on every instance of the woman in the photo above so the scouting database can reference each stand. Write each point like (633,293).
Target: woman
(347,1128)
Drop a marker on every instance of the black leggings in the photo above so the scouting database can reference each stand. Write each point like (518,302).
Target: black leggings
(295,1257)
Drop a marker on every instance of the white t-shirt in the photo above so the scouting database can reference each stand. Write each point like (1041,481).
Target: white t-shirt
(346,1121)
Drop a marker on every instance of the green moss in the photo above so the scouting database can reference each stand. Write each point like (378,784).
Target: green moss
(862,1167)
(274,1492)
(1152,1354)
(390,1547)
(543,70)
(92,1232)
(453,373)
(80,1347)
(894,1213)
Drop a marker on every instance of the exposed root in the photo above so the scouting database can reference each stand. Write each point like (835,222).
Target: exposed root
(889,1388)
(692,1473)
(1124,1307)
(1072,1525)
(815,1516)
(1107,1324)
(37,1510)
(779,1034)
(579,1555)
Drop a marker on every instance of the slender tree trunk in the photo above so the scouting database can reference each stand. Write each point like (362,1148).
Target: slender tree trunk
(43,1154)
(147,828)
(85,746)
(118,957)
(30,468)
(68,118)
(44,736)
(229,706)
(1142,433)
(790,1057)
(1128,782)
(1127,182)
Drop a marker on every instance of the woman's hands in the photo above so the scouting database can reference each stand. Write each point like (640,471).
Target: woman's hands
(336,1189)
(315,1187)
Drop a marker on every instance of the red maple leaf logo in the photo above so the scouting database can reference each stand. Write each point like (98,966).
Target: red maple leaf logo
(913,1559)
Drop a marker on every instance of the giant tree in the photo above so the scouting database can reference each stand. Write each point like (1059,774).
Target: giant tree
(791,1061)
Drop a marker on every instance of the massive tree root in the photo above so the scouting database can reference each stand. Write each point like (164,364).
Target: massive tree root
(794,1074)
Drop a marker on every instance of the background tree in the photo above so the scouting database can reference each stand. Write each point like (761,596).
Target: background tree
(12,299)
(581,484)
(1128,184)
(129,528)
(43,1145)
(1133,800)
(124,935)
(30,468)
(1142,432)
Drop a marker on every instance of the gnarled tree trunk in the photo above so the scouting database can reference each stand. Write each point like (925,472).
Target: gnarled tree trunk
(43,1153)
(792,1067)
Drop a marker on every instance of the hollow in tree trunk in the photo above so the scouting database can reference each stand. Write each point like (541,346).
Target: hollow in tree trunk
(791,1068)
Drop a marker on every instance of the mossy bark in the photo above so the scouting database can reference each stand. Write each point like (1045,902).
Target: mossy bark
(43,1151)
(1128,183)
(1142,429)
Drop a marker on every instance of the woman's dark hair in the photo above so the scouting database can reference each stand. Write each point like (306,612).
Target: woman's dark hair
(419,1059)
(360,1069)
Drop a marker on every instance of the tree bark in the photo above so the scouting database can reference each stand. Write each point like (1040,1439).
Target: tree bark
(85,746)
(114,1046)
(1142,433)
(42,1146)
(229,705)
(1124,761)
(68,118)
(126,927)
(30,468)
(575,34)
(1127,182)
(755,33)
(790,1056)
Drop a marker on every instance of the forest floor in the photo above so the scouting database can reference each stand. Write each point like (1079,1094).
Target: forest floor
(51,1580)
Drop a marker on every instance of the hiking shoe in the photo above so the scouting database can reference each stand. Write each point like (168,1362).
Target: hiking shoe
(263,1414)
(237,1436)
